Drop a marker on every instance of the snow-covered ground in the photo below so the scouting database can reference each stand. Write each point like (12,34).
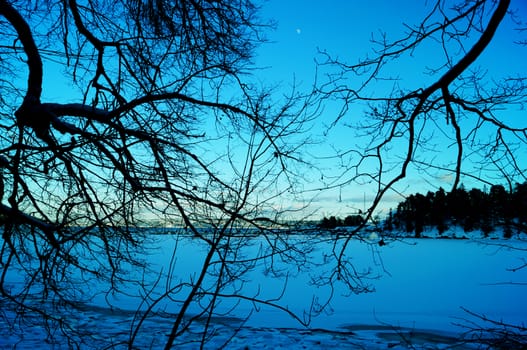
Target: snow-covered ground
(424,290)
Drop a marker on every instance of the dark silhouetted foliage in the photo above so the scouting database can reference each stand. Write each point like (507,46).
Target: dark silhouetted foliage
(472,210)
(333,222)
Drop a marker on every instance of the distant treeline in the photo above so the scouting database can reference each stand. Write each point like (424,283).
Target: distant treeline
(472,210)
(332,221)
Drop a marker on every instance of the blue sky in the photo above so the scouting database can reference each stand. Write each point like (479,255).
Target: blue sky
(344,29)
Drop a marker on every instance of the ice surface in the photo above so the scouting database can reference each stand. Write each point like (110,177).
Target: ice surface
(422,288)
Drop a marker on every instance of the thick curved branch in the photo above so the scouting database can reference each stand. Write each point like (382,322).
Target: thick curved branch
(476,50)
(34,61)
(18,217)
(450,76)
(76,110)
(442,85)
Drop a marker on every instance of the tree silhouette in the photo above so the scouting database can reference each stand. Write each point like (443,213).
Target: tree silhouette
(353,220)
(477,209)
(458,202)
(333,222)
(498,197)
(452,100)
(389,222)
(519,203)
(470,210)
(158,122)
(440,211)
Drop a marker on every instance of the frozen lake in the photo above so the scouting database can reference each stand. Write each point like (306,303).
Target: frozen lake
(421,286)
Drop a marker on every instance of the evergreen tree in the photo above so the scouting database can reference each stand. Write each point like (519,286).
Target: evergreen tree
(498,197)
(458,202)
(476,210)
(439,211)
(519,205)
(389,223)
